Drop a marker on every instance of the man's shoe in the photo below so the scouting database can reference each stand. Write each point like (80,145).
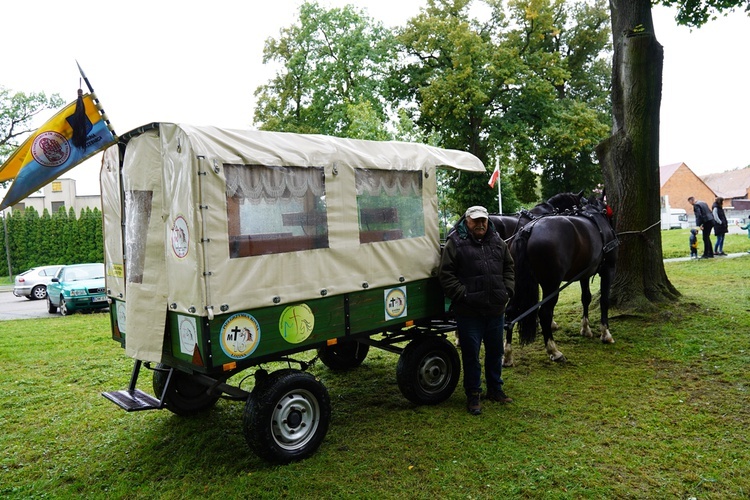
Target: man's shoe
(499,397)
(473,405)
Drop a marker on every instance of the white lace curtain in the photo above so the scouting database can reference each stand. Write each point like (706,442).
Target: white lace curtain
(390,182)
(257,183)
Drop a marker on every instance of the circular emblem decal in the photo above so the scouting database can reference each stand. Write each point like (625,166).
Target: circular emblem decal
(296,323)
(50,149)
(121,317)
(180,237)
(240,335)
(395,303)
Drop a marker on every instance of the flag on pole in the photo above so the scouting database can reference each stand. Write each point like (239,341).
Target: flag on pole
(494,177)
(73,135)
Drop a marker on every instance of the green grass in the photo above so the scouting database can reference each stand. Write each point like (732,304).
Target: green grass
(662,413)
(675,243)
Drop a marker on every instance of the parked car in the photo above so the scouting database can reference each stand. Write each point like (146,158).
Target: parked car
(32,284)
(79,287)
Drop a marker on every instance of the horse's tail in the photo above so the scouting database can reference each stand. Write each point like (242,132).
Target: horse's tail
(527,289)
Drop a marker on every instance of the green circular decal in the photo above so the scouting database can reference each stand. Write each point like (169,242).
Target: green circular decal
(296,323)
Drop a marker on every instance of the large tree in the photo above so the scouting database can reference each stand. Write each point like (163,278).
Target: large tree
(526,87)
(333,65)
(630,157)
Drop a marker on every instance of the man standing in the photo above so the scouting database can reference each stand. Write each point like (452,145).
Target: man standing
(477,274)
(705,220)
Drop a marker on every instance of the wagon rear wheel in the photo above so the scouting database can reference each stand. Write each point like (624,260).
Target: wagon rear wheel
(344,355)
(428,370)
(287,416)
(184,396)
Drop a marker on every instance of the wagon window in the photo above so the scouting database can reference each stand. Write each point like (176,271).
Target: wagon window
(389,204)
(275,209)
(137,216)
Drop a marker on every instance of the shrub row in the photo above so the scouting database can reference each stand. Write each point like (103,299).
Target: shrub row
(59,238)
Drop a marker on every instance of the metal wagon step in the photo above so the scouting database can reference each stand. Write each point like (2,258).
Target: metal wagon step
(135,400)
(132,399)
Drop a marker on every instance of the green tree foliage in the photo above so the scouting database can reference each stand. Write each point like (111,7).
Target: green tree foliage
(58,238)
(528,86)
(699,12)
(333,65)
(17,111)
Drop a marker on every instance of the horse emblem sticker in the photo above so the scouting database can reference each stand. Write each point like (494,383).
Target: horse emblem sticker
(296,323)
(240,335)
(395,303)
(180,237)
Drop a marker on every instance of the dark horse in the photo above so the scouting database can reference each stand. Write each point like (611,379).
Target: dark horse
(508,225)
(550,249)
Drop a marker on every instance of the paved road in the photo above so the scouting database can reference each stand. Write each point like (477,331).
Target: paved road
(12,307)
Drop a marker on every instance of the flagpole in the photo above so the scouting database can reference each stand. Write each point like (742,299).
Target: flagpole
(96,100)
(499,194)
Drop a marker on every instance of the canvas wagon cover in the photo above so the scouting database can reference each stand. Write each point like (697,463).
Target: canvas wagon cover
(179,247)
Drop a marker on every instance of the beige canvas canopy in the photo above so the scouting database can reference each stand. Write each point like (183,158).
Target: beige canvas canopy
(203,220)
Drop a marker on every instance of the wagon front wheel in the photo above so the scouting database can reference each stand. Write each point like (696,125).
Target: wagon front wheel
(428,370)
(287,416)
(344,355)
(184,395)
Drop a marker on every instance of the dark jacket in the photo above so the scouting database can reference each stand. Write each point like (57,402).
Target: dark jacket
(478,276)
(702,213)
(721,225)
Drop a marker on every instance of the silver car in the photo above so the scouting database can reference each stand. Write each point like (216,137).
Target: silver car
(32,284)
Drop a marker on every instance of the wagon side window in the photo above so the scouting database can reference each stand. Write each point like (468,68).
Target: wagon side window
(137,216)
(275,209)
(389,204)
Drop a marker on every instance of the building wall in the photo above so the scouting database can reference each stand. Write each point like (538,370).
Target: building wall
(60,192)
(681,185)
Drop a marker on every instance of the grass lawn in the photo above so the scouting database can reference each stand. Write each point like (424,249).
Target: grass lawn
(662,413)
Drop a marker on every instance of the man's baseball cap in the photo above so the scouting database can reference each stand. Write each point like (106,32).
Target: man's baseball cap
(477,212)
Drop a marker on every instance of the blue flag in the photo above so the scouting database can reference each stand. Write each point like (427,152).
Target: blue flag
(73,135)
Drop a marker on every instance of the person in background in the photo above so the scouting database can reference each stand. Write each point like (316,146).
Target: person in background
(478,276)
(747,228)
(721,226)
(693,243)
(704,219)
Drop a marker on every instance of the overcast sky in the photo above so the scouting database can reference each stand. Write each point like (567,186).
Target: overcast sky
(200,62)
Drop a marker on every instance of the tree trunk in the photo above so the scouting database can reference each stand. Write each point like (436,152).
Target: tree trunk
(630,157)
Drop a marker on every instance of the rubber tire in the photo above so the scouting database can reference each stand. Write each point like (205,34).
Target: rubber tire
(344,355)
(39,292)
(287,395)
(51,308)
(64,311)
(185,397)
(428,370)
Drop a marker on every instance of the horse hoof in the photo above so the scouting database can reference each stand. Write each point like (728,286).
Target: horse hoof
(608,340)
(557,358)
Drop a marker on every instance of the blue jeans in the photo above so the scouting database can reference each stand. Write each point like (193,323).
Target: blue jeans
(472,331)
(719,246)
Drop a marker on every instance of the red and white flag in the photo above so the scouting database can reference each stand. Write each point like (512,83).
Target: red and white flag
(494,177)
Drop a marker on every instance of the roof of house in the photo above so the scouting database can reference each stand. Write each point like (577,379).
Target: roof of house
(666,171)
(731,184)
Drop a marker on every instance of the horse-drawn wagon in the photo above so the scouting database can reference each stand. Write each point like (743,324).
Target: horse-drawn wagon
(227,250)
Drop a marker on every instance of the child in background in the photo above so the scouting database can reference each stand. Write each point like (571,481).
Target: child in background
(747,228)
(693,243)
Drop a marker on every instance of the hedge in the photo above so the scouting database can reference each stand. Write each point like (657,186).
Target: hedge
(59,238)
